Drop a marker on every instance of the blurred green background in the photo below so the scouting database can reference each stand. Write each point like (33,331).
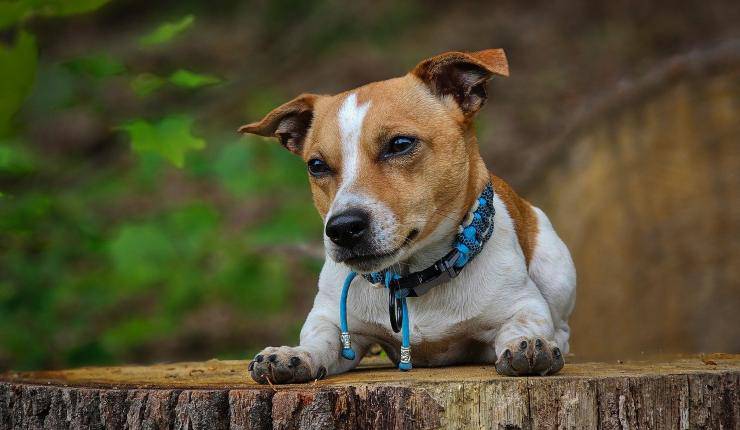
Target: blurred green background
(136,226)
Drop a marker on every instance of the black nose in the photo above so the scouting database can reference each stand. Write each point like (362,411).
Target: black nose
(348,228)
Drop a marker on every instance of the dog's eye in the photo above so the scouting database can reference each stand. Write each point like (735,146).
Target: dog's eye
(317,167)
(400,145)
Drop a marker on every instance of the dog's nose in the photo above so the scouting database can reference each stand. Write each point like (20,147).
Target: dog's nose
(348,228)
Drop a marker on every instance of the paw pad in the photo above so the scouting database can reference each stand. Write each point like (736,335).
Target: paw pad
(283,365)
(543,359)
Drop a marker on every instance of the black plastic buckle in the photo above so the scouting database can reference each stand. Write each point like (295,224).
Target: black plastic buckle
(445,270)
(447,264)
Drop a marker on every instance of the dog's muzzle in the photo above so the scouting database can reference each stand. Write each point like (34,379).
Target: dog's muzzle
(348,229)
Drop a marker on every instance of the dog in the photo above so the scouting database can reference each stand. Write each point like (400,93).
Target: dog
(394,169)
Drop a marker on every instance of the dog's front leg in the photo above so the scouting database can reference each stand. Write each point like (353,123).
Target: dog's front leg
(525,343)
(318,355)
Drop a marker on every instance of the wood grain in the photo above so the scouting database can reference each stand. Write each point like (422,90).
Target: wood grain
(681,392)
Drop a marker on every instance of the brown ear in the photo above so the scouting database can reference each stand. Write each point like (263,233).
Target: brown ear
(463,75)
(289,122)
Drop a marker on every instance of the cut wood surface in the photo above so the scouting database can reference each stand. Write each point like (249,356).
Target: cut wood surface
(680,392)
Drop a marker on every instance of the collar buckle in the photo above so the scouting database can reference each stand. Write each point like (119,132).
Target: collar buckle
(441,271)
(446,264)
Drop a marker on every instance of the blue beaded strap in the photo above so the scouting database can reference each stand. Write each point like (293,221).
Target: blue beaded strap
(347,351)
(404,363)
(473,233)
(472,237)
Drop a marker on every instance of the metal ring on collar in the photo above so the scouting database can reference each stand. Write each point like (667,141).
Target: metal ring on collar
(395,310)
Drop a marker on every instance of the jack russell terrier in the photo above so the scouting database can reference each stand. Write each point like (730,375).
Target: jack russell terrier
(409,205)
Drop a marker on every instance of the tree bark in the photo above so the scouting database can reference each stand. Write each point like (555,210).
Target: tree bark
(679,393)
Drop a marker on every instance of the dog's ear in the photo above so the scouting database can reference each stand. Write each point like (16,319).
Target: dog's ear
(463,75)
(289,122)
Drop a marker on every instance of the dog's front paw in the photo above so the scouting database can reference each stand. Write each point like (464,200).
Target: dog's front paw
(530,356)
(284,365)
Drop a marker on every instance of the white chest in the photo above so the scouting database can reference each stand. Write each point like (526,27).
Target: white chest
(453,321)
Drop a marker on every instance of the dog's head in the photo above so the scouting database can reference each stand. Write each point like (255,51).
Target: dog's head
(393,165)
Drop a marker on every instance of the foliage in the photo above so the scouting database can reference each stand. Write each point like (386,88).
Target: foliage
(18,62)
(18,66)
(80,286)
(101,261)
(145,84)
(167,31)
(12,12)
(97,65)
(170,137)
(188,79)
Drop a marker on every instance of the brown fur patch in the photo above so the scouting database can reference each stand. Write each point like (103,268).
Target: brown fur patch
(434,185)
(521,212)
(438,183)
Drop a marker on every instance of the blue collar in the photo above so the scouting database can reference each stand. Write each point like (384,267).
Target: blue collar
(472,234)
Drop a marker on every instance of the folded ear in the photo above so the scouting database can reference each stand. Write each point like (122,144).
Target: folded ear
(289,122)
(463,75)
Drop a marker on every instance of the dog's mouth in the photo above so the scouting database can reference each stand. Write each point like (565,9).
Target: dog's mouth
(370,262)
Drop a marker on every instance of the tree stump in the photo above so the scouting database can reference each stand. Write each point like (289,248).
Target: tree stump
(678,393)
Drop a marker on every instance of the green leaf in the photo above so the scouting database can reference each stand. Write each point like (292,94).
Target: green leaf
(170,138)
(17,72)
(146,83)
(96,65)
(167,31)
(188,79)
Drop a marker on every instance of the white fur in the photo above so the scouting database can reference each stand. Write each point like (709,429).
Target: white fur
(495,301)
(553,271)
(350,118)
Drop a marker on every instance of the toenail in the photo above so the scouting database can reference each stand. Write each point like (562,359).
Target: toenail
(259,358)
(556,352)
(523,344)
(538,343)
(294,362)
(272,358)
